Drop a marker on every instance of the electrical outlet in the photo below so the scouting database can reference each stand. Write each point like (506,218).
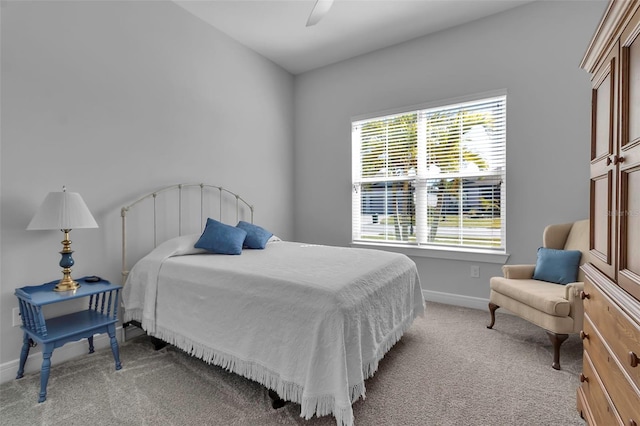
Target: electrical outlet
(17,321)
(475,271)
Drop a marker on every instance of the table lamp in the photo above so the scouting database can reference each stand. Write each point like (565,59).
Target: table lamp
(64,211)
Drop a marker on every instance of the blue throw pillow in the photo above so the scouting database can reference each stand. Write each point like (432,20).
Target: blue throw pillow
(557,266)
(257,236)
(221,239)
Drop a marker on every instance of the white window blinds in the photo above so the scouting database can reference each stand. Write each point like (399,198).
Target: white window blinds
(433,176)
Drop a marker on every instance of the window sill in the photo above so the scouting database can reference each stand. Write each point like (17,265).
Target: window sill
(450,253)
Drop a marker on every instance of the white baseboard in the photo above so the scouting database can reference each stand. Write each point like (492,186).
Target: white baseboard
(71,350)
(456,299)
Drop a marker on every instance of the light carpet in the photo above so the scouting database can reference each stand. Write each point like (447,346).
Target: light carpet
(448,369)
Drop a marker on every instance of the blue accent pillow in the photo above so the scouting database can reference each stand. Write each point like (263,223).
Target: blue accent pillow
(221,239)
(557,266)
(257,236)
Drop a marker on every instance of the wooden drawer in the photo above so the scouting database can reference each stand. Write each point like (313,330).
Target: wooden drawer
(620,333)
(623,394)
(601,409)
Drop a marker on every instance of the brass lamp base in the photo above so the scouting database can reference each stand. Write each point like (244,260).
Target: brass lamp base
(66,284)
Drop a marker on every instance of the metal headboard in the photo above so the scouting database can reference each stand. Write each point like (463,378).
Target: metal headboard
(205,191)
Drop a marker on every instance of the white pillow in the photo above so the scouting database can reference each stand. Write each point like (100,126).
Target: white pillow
(183,245)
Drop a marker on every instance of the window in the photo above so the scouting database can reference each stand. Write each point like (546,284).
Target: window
(434,176)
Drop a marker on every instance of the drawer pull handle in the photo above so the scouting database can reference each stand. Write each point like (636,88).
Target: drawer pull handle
(633,359)
(583,335)
(584,295)
(583,378)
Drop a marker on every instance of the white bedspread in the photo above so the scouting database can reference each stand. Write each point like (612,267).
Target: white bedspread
(310,322)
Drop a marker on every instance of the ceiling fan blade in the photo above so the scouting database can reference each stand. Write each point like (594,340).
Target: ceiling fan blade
(319,10)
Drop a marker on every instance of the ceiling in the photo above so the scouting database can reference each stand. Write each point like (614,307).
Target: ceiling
(277,29)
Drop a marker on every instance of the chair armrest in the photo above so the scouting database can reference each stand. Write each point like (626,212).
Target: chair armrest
(518,272)
(572,291)
(572,294)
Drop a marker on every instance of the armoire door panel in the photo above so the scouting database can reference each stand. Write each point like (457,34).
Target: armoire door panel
(629,160)
(603,169)
(633,92)
(629,238)
(602,222)
(630,80)
(602,115)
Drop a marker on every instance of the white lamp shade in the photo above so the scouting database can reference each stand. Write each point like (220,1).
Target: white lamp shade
(63,210)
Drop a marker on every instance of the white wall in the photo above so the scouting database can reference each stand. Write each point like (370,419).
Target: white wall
(115,99)
(534,52)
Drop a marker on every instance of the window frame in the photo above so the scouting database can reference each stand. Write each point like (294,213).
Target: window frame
(454,252)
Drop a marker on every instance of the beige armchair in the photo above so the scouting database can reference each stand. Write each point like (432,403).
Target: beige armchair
(557,308)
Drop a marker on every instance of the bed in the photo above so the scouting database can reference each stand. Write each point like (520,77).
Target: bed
(309,322)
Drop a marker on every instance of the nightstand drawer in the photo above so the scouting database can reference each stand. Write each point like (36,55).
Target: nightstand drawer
(621,331)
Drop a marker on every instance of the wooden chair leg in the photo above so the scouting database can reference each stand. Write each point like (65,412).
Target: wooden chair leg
(556,341)
(492,311)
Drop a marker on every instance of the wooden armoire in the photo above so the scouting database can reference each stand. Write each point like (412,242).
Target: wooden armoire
(609,393)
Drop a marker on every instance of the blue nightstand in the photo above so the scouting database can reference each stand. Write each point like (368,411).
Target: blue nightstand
(101,317)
